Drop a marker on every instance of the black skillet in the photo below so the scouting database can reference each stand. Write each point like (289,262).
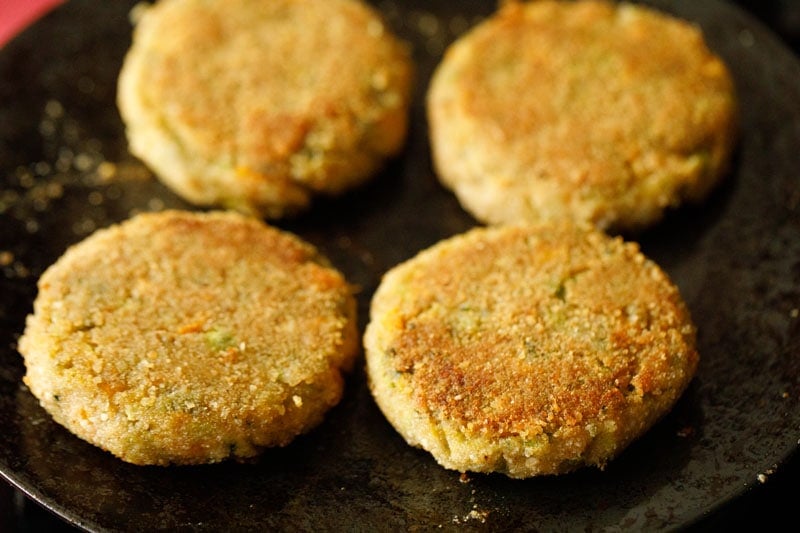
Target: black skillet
(736,259)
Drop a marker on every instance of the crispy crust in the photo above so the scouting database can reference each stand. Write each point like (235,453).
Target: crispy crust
(586,110)
(259,106)
(527,350)
(189,338)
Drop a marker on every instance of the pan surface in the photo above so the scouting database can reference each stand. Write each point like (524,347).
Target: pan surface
(65,171)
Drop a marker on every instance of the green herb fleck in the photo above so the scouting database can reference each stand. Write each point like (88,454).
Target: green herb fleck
(220,339)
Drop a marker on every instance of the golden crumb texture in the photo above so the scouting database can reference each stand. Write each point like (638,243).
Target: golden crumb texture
(184,338)
(528,349)
(260,106)
(599,112)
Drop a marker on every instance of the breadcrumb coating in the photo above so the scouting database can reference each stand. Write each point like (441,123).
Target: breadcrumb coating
(527,350)
(260,106)
(179,338)
(588,110)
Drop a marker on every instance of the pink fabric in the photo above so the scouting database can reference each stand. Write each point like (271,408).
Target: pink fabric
(15,15)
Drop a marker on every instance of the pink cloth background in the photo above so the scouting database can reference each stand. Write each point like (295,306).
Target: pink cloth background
(15,15)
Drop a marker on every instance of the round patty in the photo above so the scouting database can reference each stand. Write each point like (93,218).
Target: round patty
(259,106)
(585,110)
(527,350)
(189,338)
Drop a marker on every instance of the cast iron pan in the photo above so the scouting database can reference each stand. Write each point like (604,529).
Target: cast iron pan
(736,260)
